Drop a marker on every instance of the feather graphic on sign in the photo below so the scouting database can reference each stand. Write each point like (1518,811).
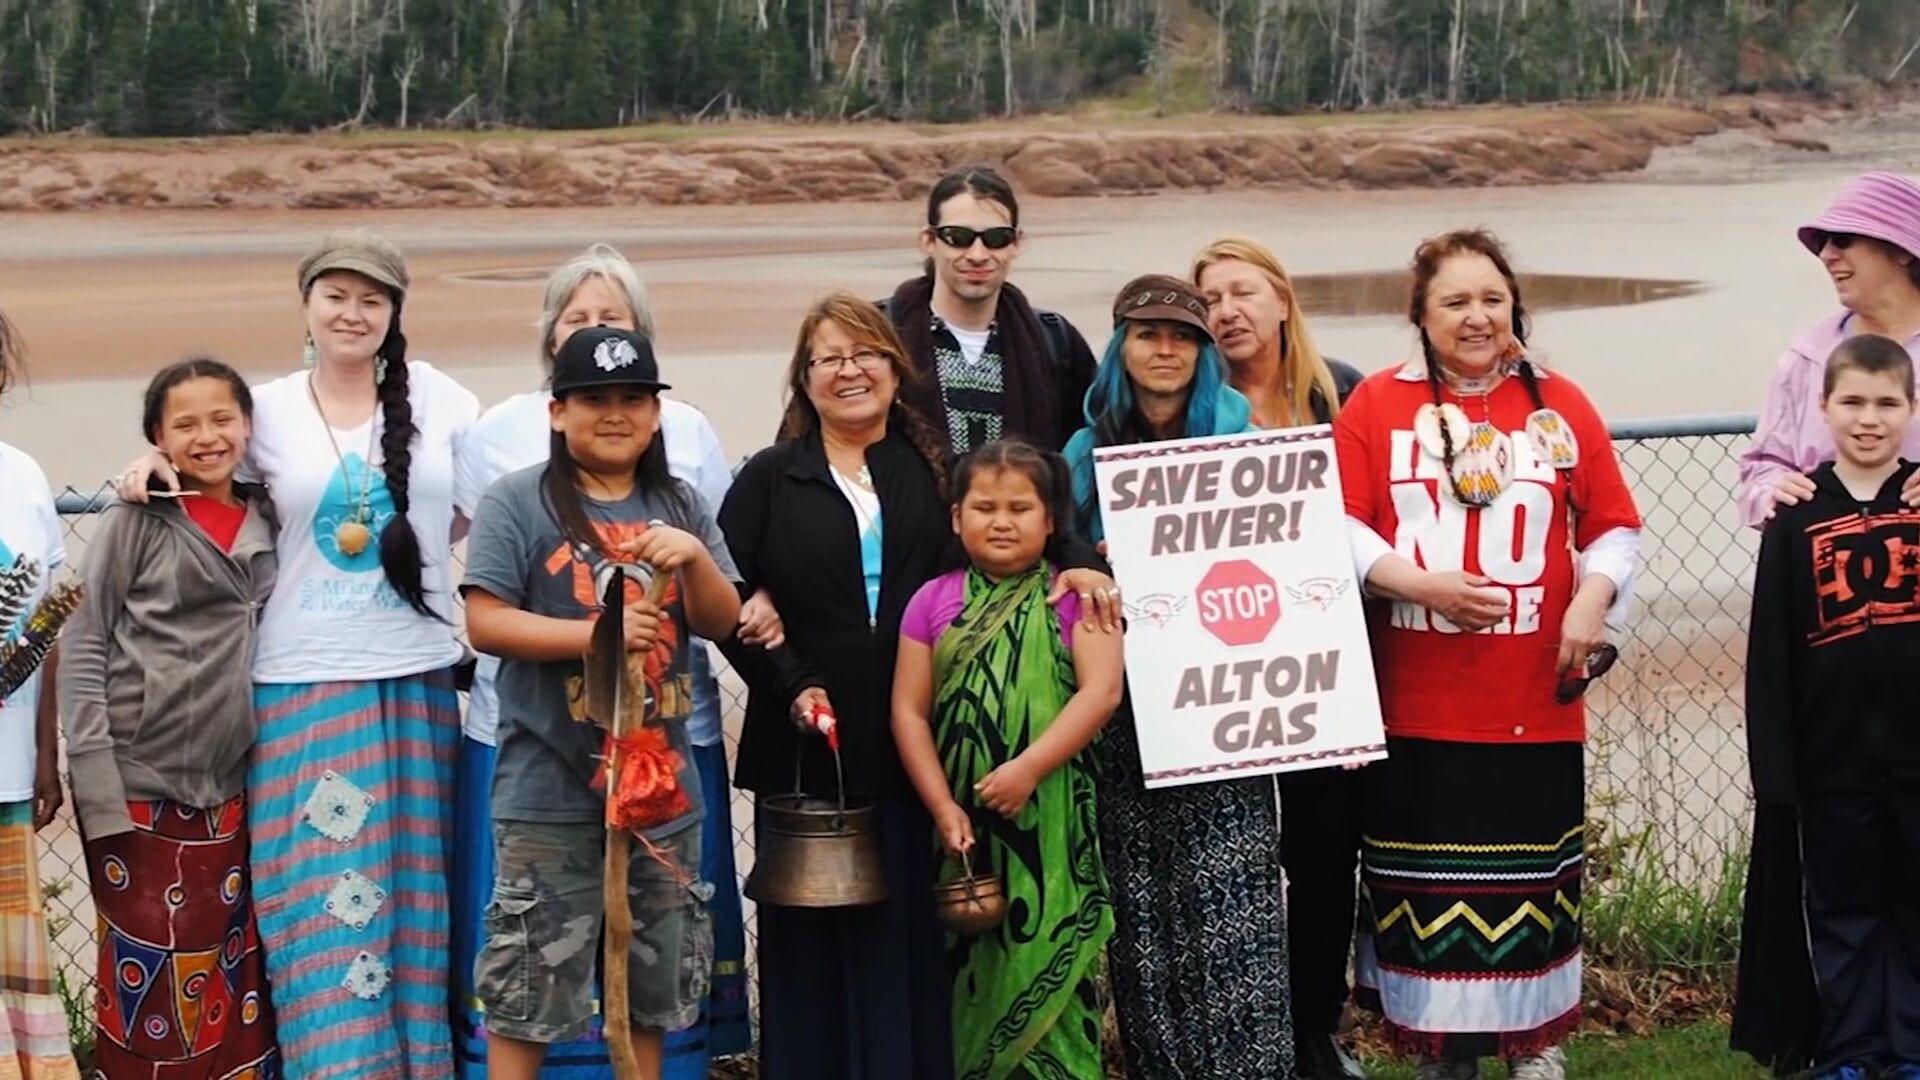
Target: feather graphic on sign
(1319,592)
(1157,609)
(43,629)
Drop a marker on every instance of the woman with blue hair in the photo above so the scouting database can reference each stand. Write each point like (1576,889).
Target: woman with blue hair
(1198,957)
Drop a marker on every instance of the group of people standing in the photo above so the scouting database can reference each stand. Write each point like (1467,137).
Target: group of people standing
(290,828)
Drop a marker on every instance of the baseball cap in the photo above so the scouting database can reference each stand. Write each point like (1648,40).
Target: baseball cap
(605,356)
(1161,296)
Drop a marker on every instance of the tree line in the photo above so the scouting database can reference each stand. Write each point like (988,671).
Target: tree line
(189,67)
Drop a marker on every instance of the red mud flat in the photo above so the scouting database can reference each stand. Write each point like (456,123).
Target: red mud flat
(1060,156)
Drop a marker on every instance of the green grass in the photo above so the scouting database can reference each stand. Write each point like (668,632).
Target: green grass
(1696,1052)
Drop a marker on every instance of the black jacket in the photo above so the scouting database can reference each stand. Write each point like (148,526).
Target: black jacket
(1345,378)
(1836,621)
(791,531)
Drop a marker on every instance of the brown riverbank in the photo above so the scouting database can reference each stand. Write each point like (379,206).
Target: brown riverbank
(1082,155)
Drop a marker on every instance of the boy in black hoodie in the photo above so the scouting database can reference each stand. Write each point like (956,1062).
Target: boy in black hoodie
(1833,723)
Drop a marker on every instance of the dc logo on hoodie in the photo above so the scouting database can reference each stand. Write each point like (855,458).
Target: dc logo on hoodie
(339,504)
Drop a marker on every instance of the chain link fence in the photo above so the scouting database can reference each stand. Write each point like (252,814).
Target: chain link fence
(1667,766)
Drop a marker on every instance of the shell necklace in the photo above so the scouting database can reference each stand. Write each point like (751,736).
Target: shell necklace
(354,534)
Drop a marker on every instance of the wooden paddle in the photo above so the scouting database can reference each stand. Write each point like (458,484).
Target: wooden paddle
(616,692)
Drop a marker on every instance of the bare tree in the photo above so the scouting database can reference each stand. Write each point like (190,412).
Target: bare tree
(510,17)
(404,73)
(1456,50)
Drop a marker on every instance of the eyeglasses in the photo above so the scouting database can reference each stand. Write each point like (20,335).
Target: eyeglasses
(1598,663)
(865,360)
(1841,241)
(960,237)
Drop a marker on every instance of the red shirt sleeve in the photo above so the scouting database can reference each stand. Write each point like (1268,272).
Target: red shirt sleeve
(1599,489)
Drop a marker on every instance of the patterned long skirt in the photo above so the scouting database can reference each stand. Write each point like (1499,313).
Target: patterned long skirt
(183,983)
(352,788)
(1471,867)
(1198,957)
(723,1027)
(33,1023)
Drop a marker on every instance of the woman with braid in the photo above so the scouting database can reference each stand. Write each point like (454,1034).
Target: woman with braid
(351,779)
(1489,511)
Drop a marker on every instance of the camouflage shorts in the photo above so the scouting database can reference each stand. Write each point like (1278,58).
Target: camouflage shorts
(536,974)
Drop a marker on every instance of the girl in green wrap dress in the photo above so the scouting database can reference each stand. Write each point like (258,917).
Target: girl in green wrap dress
(996,695)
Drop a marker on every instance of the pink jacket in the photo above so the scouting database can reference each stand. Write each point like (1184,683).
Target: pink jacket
(1792,434)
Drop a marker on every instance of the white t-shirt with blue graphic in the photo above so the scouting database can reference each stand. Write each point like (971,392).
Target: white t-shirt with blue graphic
(332,616)
(30,536)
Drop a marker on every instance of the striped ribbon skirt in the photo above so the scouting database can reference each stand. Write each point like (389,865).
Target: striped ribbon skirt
(33,1024)
(1471,866)
(352,806)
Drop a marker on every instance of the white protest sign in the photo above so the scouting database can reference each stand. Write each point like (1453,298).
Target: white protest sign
(1246,643)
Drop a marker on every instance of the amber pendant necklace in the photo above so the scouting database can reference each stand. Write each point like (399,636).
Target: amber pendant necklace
(354,534)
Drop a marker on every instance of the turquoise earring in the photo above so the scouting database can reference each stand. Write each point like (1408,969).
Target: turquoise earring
(307,354)
(379,370)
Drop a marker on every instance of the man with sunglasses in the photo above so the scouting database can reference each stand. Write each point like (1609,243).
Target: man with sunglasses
(991,364)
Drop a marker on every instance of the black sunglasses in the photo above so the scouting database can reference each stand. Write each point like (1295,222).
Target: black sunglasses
(1598,663)
(1841,241)
(962,238)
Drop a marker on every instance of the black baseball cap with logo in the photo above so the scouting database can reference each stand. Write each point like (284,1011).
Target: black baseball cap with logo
(605,356)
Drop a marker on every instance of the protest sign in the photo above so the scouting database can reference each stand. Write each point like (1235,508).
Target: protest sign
(1246,643)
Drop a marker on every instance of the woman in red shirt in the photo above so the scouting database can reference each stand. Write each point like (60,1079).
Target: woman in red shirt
(1503,540)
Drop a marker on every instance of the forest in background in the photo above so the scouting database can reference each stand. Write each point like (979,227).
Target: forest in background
(198,67)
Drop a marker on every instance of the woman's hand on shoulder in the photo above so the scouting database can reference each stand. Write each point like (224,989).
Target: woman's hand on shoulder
(760,622)
(1099,598)
(1795,488)
(1910,491)
(131,485)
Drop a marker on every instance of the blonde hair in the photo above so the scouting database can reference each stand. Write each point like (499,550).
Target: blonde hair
(1297,350)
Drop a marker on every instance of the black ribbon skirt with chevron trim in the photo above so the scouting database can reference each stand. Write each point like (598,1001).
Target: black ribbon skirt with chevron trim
(1471,867)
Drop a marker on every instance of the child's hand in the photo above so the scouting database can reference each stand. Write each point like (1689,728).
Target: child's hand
(641,621)
(665,548)
(1006,789)
(955,829)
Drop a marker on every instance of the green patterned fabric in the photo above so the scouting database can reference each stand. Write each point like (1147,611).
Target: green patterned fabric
(1023,998)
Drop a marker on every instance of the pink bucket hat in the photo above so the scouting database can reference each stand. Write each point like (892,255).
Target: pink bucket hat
(1883,205)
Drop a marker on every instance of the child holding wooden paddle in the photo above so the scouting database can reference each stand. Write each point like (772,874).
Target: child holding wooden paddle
(546,542)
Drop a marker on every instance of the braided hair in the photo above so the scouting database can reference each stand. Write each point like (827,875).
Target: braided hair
(400,557)
(1426,266)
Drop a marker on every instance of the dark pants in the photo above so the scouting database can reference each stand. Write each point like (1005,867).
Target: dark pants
(1861,855)
(861,993)
(1320,848)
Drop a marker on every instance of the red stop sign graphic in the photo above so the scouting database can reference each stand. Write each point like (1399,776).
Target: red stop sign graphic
(1239,603)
